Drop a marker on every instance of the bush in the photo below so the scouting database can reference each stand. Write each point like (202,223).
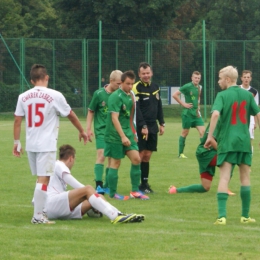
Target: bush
(8,97)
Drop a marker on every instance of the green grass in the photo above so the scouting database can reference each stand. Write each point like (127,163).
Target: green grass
(176,226)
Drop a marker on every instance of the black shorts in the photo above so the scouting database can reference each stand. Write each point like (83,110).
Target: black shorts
(150,144)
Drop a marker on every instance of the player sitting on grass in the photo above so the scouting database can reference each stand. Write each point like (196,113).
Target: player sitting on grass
(73,204)
(207,159)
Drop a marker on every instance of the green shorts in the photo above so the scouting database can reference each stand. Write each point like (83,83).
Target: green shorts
(118,151)
(100,142)
(204,160)
(235,158)
(188,122)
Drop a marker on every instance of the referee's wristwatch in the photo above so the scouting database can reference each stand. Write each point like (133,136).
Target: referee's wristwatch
(144,126)
(162,124)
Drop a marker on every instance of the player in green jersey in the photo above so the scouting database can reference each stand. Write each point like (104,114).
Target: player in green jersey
(97,111)
(191,116)
(120,137)
(207,159)
(233,108)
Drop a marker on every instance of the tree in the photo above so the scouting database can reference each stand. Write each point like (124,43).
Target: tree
(227,19)
(124,19)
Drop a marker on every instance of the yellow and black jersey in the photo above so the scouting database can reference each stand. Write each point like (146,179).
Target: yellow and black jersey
(148,105)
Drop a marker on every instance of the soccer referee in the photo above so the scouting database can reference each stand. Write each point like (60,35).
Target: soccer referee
(148,112)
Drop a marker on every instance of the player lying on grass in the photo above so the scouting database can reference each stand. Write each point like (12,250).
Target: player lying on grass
(207,159)
(73,204)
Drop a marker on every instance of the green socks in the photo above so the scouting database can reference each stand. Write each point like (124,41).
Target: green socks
(98,171)
(106,180)
(192,188)
(135,174)
(245,195)
(222,204)
(112,181)
(181,144)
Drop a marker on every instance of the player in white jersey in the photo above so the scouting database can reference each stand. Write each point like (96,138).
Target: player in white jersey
(73,204)
(246,78)
(41,108)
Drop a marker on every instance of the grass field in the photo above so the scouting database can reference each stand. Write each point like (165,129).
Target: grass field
(176,226)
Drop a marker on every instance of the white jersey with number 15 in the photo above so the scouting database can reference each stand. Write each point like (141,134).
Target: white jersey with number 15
(42,107)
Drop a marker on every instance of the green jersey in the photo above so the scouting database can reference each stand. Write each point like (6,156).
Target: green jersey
(99,106)
(192,95)
(123,104)
(201,149)
(235,107)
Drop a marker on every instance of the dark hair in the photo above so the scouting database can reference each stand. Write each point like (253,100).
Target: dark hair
(65,151)
(127,74)
(38,72)
(144,65)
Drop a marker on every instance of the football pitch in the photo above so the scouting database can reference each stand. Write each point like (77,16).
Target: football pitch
(177,226)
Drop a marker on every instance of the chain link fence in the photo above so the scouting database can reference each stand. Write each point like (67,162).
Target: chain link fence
(74,64)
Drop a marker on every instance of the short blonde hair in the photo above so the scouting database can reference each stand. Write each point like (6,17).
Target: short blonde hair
(230,72)
(116,74)
(196,72)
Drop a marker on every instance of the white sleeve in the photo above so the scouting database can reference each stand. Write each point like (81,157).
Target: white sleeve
(69,179)
(257,98)
(19,108)
(62,106)
(134,98)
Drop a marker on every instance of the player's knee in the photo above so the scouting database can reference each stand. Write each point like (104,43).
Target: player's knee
(146,156)
(206,187)
(206,180)
(136,160)
(89,189)
(185,132)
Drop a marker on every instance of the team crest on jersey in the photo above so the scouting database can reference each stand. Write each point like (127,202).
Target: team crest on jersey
(124,107)
(103,103)
(157,96)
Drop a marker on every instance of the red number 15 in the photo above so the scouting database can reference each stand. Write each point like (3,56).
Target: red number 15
(240,110)
(36,112)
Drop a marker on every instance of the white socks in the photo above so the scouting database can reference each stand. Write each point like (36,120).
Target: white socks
(103,206)
(40,196)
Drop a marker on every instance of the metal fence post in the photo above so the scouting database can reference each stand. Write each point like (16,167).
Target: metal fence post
(204,70)
(84,85)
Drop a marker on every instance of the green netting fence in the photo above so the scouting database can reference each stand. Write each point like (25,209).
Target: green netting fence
(74,64)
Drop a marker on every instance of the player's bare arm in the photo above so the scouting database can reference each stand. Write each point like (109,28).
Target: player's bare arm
(17,149)
(257,119)
(213,123)
(75,121)
(89,121)
(117,125)
(176,96)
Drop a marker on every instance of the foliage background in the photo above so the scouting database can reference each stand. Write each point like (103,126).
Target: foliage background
(63,35)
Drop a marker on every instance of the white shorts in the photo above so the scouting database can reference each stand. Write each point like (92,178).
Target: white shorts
(58,207)
(42,163)
(251,131)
